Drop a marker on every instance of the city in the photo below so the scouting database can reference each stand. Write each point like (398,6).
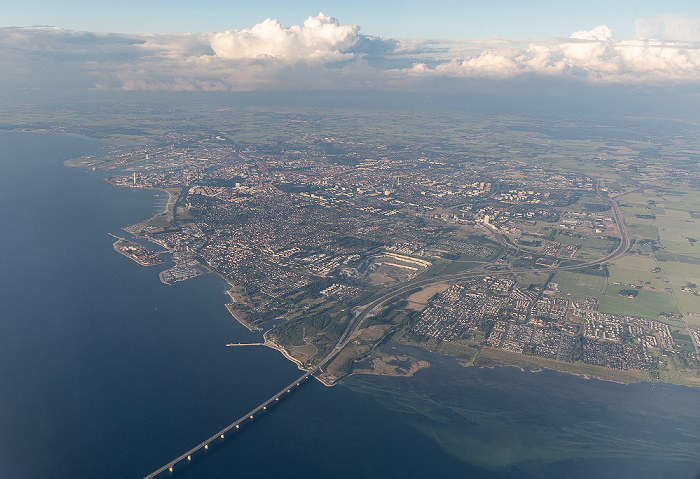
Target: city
(310,230)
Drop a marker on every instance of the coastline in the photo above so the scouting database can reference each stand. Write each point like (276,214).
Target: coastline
(273,345)
(485,358)
(490,357)
(252,328)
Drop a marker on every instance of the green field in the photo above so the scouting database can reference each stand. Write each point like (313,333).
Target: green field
(458,267)
(643,231)
(633,198)
(642,263)
(636,270)
(580,284)
(693,320)
(647,304)
(634,221)
(681,214)
(677,230)
(637,278)
(679,275)
(635,210)
(681,247)
(589,253)
(597,243)
(675,268)
(529,279)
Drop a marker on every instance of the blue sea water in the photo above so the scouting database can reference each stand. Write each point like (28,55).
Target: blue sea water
(106,372)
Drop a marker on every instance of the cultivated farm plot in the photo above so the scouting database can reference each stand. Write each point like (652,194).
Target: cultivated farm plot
(682,247)
(681,214)
(587,253)
(644,231)
(636,277)
(634,221)
(635,270)
(677,229)
(580,284)
(633,198)
(642,263)
(636,210)
(690,307)
(693,320)
(679,275)
(675,268)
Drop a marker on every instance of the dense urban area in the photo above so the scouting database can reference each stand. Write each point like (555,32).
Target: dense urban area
(538,243)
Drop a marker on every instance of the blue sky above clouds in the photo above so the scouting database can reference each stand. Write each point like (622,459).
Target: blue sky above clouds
(447,19)
(232,46)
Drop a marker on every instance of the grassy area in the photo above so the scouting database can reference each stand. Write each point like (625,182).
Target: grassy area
(538,280)
(647,304)
(631,269)
(681,247)
(677,230)
(673,372)
(642,231)
(589,253)
(684,341)
(467,351)
(688,302)
(634,198)
(580,284)
(634,221)
(681,269)
(458,267)
(596,243)
(635,210)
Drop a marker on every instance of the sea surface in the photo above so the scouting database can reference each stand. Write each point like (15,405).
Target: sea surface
(107,373)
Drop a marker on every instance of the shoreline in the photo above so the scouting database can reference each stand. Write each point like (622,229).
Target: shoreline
(250,327)
(522,362)
(273,345)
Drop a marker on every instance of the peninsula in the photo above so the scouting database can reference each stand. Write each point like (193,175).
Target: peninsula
(517,241)
(136,252)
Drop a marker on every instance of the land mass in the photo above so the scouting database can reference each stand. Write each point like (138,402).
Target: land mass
(137,253)
(566,244)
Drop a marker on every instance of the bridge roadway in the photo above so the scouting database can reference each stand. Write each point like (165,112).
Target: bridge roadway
(249,416)
(356,322)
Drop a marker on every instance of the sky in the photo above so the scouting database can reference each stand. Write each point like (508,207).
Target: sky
(215,45)
(446,19)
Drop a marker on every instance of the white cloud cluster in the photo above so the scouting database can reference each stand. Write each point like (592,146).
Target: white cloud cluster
(324,54)
(592,55)
(320,38)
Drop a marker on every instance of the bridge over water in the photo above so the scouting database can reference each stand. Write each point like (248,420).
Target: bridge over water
(234,425)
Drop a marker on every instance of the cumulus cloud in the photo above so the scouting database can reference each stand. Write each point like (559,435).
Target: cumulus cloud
(588,54)
(320,38)
(322,53)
